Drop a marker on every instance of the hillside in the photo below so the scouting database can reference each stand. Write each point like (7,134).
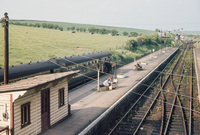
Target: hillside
(33,44)
(37,44)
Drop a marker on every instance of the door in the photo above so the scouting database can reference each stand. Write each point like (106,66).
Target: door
(45,109)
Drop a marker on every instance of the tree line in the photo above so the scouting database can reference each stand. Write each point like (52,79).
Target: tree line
(42,25)
(94,30)
(72,28)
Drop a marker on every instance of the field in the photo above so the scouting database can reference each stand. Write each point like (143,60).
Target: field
(36,44)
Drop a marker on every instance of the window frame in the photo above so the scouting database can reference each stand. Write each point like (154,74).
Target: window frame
(61,97)
(25,114)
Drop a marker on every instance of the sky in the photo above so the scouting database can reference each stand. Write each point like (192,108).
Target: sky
(167,15)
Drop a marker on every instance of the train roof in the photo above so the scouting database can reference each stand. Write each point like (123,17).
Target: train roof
(31,68)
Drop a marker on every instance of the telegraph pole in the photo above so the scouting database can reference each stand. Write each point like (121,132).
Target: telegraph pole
(6,48)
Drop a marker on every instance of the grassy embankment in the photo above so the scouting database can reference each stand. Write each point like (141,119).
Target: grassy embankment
(33,44)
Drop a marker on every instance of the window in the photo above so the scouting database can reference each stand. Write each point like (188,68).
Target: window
(61,97)
(25,114)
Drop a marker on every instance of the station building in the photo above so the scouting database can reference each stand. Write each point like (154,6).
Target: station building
(33,105)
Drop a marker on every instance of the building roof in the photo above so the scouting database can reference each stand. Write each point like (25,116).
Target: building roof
(33,82)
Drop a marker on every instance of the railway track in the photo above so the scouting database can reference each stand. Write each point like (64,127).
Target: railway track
(168,105)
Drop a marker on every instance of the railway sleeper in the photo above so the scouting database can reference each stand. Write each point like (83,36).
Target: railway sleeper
(156,131)
(123,133)
(177,123)
(176,129)
(126,126)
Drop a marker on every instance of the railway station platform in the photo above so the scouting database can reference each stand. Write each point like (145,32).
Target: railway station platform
(197,67)
(88,105)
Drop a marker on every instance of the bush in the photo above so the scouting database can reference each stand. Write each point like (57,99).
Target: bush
(131,44)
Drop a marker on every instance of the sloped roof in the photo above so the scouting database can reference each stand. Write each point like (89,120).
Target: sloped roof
(33,82)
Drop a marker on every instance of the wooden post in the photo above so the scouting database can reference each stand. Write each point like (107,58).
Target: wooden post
(6,48)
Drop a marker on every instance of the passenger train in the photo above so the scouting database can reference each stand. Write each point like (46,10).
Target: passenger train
(86,63)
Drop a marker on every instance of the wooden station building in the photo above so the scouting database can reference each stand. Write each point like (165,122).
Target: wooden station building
(33,105)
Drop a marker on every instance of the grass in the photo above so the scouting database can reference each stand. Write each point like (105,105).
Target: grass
(36,44)
(33,44)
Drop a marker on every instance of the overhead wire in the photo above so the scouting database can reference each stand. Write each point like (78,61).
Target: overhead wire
(96,79)
(70,60)
(170,92)
(166,102)
(27,46)
(79,65)
(80,55)
(61,49)
(89,58)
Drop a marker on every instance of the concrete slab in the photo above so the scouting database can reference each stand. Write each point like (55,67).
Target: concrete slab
(87,104)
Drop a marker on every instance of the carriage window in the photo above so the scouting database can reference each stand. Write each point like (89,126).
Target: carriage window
(61,97)
(25,114)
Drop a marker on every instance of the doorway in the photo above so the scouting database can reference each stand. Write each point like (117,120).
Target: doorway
(45,109)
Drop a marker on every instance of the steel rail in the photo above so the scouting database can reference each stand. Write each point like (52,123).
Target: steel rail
(181,107)
(142,95)
(163,103)
(175,96)
(155,99)
(191,93)
(183,116)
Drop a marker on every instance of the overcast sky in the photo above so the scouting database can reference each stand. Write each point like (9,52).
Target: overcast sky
(145,14)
